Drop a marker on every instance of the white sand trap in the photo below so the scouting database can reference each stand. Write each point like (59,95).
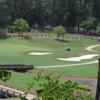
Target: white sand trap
(89,56)
(90,48)
(39,53)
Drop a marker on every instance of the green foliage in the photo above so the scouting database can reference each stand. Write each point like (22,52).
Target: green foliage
(19,25)
(98,29)
(48,12)
(4,75)
(89,23)
(59,31)
(50,88)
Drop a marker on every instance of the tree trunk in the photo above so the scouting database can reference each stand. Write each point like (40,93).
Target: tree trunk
(98,84)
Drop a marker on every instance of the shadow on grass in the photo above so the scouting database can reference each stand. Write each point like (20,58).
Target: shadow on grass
(61,40)
(3,38)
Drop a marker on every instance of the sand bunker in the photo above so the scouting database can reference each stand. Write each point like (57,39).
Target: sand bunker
(88,56)
(39,53)
(91,48)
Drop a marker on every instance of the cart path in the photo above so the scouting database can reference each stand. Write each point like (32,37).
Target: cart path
(60,66)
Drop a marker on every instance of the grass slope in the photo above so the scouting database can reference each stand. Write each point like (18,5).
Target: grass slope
(15,51)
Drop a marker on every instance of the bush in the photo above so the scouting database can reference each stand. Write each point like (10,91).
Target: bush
(59,30)
(49,87)
(98,29)
(19,25)
(4,75)
(89,23)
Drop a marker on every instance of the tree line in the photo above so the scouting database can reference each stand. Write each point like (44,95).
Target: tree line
(69,13)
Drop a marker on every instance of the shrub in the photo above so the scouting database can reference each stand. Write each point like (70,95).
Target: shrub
(49,87)
(4,75)
(98,29)
(89,23)
(59,30)
(19,25)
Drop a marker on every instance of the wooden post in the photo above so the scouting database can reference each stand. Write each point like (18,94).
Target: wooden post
(98,84)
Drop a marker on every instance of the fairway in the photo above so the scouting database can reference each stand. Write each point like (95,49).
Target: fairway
(16,51)
(13,51)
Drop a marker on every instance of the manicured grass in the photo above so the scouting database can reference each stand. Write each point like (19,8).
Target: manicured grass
(15,51)
(82,70)
(20,80)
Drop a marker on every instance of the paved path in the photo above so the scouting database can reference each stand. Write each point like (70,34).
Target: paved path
(57,66)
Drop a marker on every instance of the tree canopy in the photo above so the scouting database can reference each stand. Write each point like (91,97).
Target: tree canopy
(68,13)
(19,25)
(89,23)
